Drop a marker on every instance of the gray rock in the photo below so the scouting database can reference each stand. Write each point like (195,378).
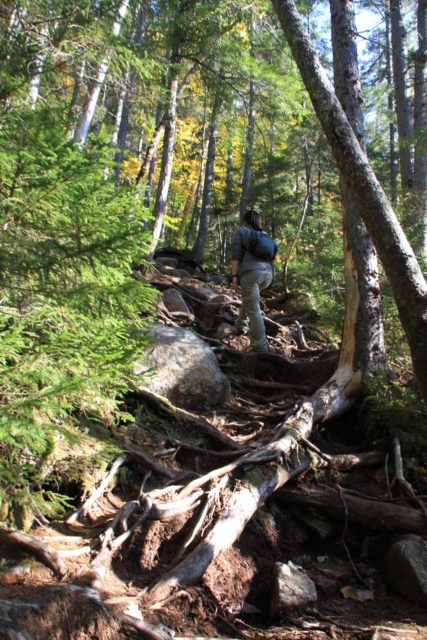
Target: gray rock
(174,301)
(167,261)
(225,331)
(292,588)
(405,566)
(181,367)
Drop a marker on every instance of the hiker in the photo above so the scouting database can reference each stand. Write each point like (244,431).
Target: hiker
(252,256)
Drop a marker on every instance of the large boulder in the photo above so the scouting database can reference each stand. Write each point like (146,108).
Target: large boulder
(181,367)
(405,565)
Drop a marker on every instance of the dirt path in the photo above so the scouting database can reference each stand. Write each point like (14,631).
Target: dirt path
(154,509)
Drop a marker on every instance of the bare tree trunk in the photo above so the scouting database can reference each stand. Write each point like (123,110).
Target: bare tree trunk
(229,179)
(189,205)
(362,347)
(420,127)
(162,193)
(401,267)
(403,111)
(36,67)
(202,234)
(247,169)
(390,103)
(151,150)
(123,107)
(83,128)
(199,191)
(73,110)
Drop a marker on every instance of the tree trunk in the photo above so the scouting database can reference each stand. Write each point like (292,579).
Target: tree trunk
(229,179)
(123,107)
(390,103)
(403,111)
(202,234)
(420,127)
(247,169)
(83,128)
(36,67)
(189,205)
(401,267)
(362,346)
(162,193)
(73,109)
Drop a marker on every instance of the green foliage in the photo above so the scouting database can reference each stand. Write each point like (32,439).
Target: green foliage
(395,409)
(69,308)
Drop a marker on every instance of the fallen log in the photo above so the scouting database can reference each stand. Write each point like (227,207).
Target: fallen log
(370,513)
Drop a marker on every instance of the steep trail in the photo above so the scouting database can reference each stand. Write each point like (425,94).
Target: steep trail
(177,539)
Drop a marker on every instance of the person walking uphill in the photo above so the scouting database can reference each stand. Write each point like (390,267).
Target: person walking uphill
(252,255)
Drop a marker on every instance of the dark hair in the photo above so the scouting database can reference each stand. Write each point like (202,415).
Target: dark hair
(253,219)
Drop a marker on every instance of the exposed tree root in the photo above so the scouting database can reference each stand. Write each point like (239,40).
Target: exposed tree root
(41,550)
(203,425)
(98,492)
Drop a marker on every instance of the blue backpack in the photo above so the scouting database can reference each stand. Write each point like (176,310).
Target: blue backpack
(262,246)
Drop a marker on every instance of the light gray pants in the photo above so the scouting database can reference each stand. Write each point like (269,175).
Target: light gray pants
(251,284)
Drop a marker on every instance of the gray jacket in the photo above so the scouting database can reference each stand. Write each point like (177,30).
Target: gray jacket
(247,262)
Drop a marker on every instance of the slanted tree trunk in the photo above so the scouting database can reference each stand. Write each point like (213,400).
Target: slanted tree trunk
(362,348)
(247,168)
(420,127)
(403,111)
(202,234)
(401,267)
(82,131)
(390,103)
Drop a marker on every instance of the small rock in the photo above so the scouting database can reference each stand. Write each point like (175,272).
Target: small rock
(174,301)
(320,527)
(225,331)
(405,565)
(292,588)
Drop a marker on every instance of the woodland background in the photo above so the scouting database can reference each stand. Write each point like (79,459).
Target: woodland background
(129,125)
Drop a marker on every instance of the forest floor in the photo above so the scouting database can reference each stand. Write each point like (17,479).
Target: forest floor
(107,598)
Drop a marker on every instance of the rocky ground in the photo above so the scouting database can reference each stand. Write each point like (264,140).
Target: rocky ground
(185,536)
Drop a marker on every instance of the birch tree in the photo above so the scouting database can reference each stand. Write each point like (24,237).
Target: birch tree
(83,128)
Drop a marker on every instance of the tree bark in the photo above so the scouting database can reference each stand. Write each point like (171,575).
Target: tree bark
(362,347)
(401,267)
(420,126)
(370,513)
(247,169)
(162,193)
(202,234)
(403,111)
(36,66)
(390,103)
(82,131)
